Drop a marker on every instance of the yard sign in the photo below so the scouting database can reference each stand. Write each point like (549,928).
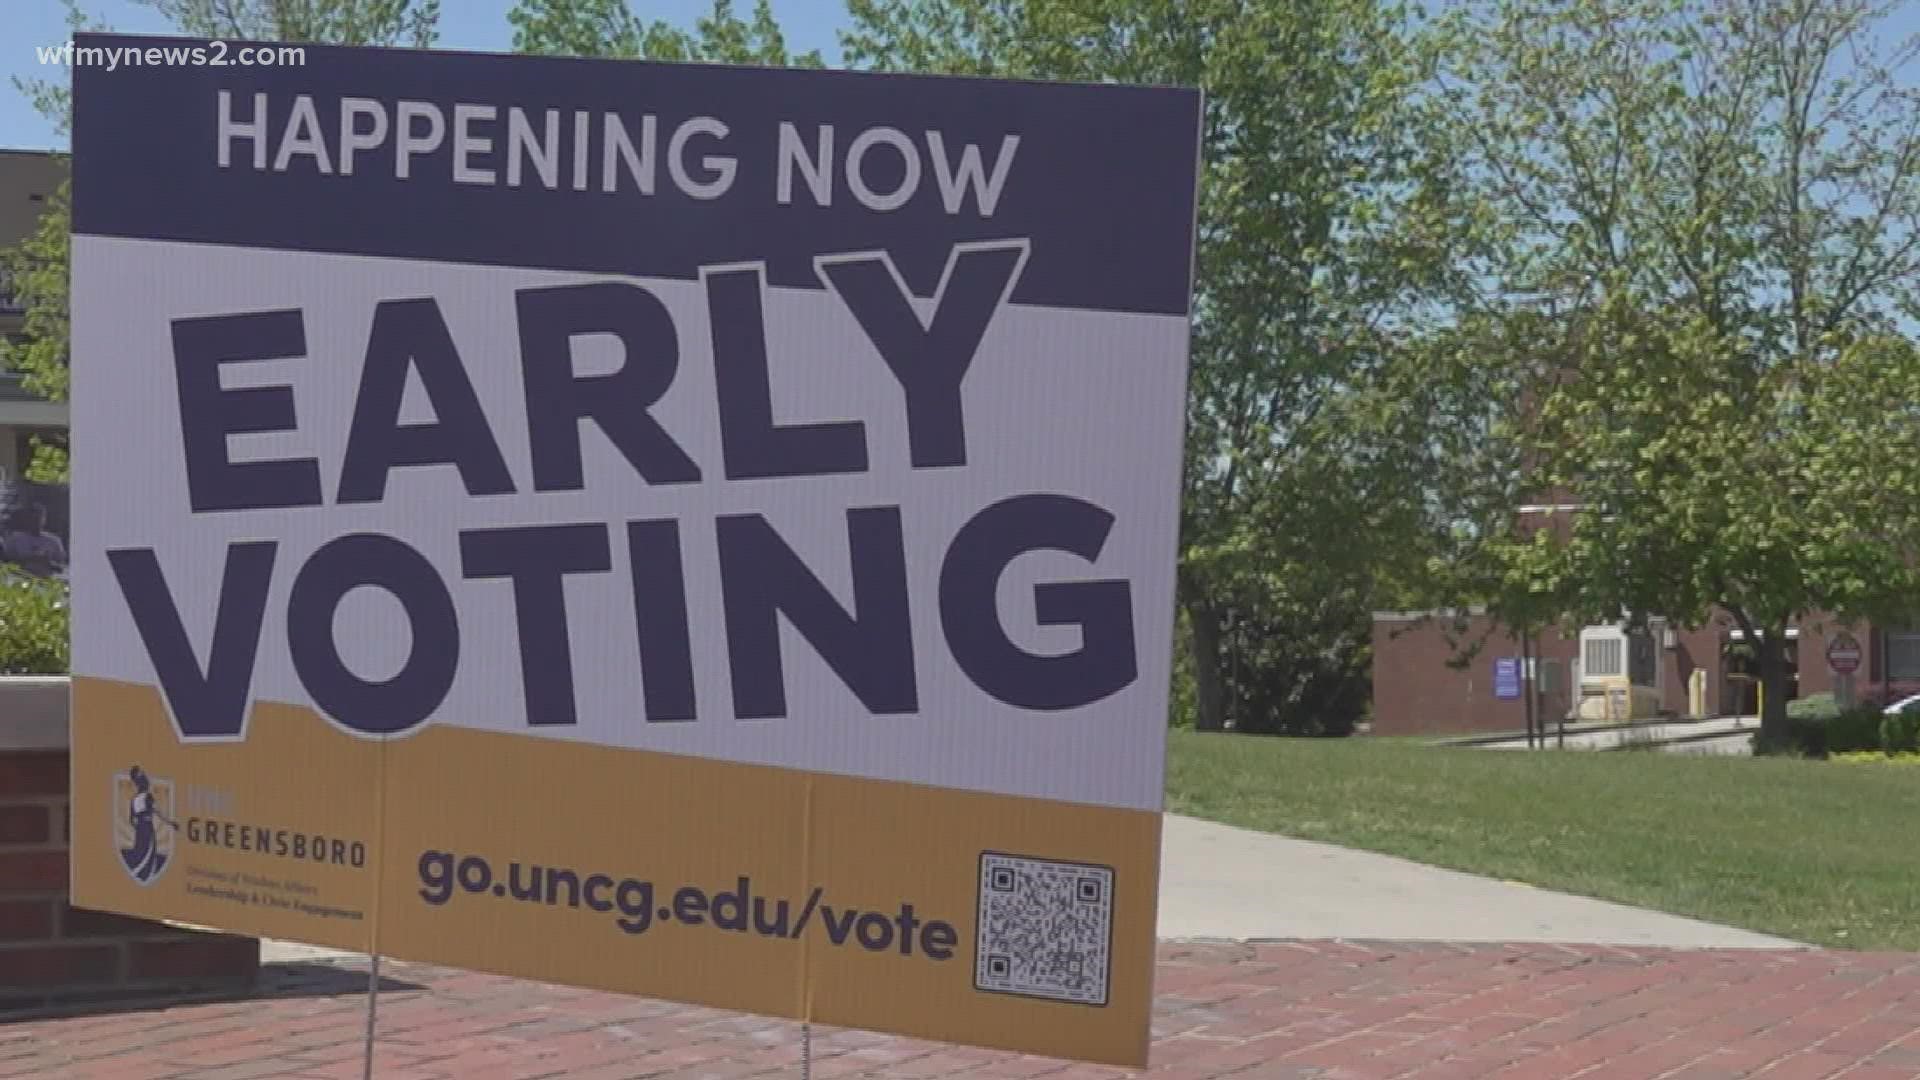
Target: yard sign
(701,532)
(1506,677)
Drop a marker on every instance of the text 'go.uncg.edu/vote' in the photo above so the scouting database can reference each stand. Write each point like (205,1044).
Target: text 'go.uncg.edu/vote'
(636,905)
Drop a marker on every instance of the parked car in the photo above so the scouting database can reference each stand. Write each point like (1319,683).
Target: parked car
(1905,704)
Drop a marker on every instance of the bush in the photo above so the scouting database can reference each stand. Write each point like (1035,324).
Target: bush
(1820,707)
(1816,727)
(33,625)
(1856,729)
(1900,732)
(1805,737)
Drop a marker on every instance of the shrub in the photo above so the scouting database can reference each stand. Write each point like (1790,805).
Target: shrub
(1820,706)
(1900,732)
(1805,738)
(33,625)
(1790,750)
(1816,727)
(1856,729)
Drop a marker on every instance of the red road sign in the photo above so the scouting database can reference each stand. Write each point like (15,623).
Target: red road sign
(1843,654)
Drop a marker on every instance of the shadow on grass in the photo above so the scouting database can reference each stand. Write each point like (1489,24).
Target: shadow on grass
(277,981)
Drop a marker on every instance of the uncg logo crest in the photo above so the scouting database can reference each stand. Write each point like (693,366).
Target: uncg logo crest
(143,824)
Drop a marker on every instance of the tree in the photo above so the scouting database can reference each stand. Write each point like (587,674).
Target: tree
(336,22)
(1860,455)
(38,267)
(608,28)
(1707,228)
(1313,442)
(36,270)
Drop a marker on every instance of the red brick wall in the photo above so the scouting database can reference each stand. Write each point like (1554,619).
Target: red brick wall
(52,953)
(1693,650)
(1416,692)
(1815,634)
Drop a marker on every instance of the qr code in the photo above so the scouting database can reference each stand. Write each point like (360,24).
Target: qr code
(1046,929)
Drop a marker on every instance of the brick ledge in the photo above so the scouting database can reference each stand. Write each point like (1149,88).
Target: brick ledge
(34,712)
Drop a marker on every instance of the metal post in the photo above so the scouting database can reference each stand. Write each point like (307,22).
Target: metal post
(1230,717)
(1526,696)
(1572,697)
(373,1000)
(1533,689)
(806,1051)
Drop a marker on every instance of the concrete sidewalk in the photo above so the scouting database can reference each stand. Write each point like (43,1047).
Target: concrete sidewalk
(1725,734)
(1221,882)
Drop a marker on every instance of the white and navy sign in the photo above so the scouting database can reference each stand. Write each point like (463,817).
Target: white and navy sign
(1506,677)
(815,419)
(482,461)
(660,171)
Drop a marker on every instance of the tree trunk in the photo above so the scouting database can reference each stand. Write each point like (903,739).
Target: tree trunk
(1770,664)
(1210,693)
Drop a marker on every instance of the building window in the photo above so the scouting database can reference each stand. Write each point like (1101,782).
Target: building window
(1903,654)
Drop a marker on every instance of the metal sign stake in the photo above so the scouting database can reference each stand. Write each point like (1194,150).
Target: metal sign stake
(373,1001)
(806,1051)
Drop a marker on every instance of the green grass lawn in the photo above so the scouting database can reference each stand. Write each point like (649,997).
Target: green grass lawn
(1814,851)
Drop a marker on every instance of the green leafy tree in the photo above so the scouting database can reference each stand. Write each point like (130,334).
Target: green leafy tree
(36,270)
(334,22)
(1315,442)
(38,266)
(1704,231)
(33,625)
(608,28)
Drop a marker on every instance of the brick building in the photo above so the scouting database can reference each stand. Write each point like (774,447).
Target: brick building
(1436,672)
(1420,688)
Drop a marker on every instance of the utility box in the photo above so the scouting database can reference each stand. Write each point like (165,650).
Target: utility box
(1619,673)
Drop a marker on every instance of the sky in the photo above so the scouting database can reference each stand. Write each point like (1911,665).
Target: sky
(464,24)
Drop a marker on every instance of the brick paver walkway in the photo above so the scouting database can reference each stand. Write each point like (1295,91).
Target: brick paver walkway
(1331,1011)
